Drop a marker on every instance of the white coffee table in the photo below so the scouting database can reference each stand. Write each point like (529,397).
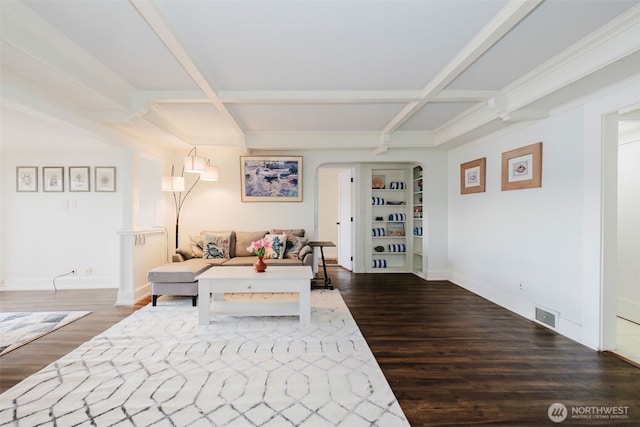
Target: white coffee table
(277,279)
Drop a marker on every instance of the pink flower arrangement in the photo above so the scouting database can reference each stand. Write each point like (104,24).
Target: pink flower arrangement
(259,247)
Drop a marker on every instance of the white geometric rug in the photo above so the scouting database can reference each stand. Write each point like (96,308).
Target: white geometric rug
(20,328)
(158,367)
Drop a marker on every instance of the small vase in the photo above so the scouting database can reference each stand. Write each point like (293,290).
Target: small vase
(260,266)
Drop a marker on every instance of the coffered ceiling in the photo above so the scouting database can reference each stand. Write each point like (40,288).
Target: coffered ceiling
(267,74)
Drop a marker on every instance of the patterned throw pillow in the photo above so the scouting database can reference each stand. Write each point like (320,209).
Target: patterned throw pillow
(294,244)
(216,246)
(277,246)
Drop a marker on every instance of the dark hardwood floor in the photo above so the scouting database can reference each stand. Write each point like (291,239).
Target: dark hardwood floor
(451,357)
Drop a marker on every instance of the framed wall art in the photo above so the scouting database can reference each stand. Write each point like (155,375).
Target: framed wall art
(472,176)
(53,178)
(271,178)
(105,179)
(79,178)
(522,167)
(27,178)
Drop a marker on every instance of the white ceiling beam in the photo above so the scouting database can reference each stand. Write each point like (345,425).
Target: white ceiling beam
(349,97)
(156,22)
(317,97)
(502,23)
(35,37)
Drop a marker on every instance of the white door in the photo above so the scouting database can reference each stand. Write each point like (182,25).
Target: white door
(345,218)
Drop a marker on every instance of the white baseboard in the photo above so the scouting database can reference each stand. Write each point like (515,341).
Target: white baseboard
(77,282)
(519,306)
(628,309)
(126,298)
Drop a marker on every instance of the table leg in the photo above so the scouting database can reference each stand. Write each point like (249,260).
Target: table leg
(204,302)
(304,297)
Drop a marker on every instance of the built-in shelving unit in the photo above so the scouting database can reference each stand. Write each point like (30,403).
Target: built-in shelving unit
(389,243)
(418,220)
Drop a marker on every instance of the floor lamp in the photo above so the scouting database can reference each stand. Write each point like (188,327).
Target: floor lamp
(176,184)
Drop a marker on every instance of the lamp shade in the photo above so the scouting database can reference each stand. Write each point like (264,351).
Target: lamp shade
(211,174)
(195,164)
(172,183)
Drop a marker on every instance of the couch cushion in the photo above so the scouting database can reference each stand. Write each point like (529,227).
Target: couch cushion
(178,271)
(244,239)
(216,245)
(299,232)
(250,260)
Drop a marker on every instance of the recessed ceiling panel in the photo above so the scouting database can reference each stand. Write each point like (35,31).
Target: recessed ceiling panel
(115,34)
(325,45)
(433,115)
(200,119)
(548,30)
(296,117)
(55,84)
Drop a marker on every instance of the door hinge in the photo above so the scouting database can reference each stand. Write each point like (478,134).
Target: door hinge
(351,219)
(351,179)
(351,258)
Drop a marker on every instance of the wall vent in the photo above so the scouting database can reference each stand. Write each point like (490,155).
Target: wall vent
(547,317)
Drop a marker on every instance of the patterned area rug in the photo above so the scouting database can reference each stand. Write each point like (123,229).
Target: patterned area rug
(158,367)
(18,328)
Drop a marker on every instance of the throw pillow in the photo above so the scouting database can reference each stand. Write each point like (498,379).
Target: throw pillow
(304,251)
(232,240)
(277,246)
(196,245)
(294,244)
(216,246)
(186,251)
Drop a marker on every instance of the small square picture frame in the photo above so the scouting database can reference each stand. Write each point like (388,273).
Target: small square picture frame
(79,177)
(27,179)
(472,176)
(53,179)
(105,178)
(522,167)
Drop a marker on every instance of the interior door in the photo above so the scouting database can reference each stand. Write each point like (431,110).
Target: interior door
(345,218)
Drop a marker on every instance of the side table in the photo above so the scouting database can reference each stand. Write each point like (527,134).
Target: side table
(326,280)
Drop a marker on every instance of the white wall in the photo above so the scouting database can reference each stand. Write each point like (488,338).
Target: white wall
(47,234)
(500,239)
(548,239)
(628,290)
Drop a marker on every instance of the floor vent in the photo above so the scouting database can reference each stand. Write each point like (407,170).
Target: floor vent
(546,317)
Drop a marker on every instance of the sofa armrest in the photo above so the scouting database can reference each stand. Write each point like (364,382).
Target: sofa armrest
(177,258)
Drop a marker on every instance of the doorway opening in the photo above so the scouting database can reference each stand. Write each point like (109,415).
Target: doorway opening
(335,217)
(627,291)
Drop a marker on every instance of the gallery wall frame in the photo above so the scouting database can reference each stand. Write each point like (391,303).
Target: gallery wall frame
(79,178)
(27,178)
(472,176)
(271,178)
(53,178)
(105,178)
(522,167)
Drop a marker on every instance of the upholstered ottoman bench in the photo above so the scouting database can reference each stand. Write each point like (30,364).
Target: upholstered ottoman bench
(177,278)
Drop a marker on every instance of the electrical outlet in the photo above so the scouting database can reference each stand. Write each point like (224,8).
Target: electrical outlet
(73,272)
(88,271)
